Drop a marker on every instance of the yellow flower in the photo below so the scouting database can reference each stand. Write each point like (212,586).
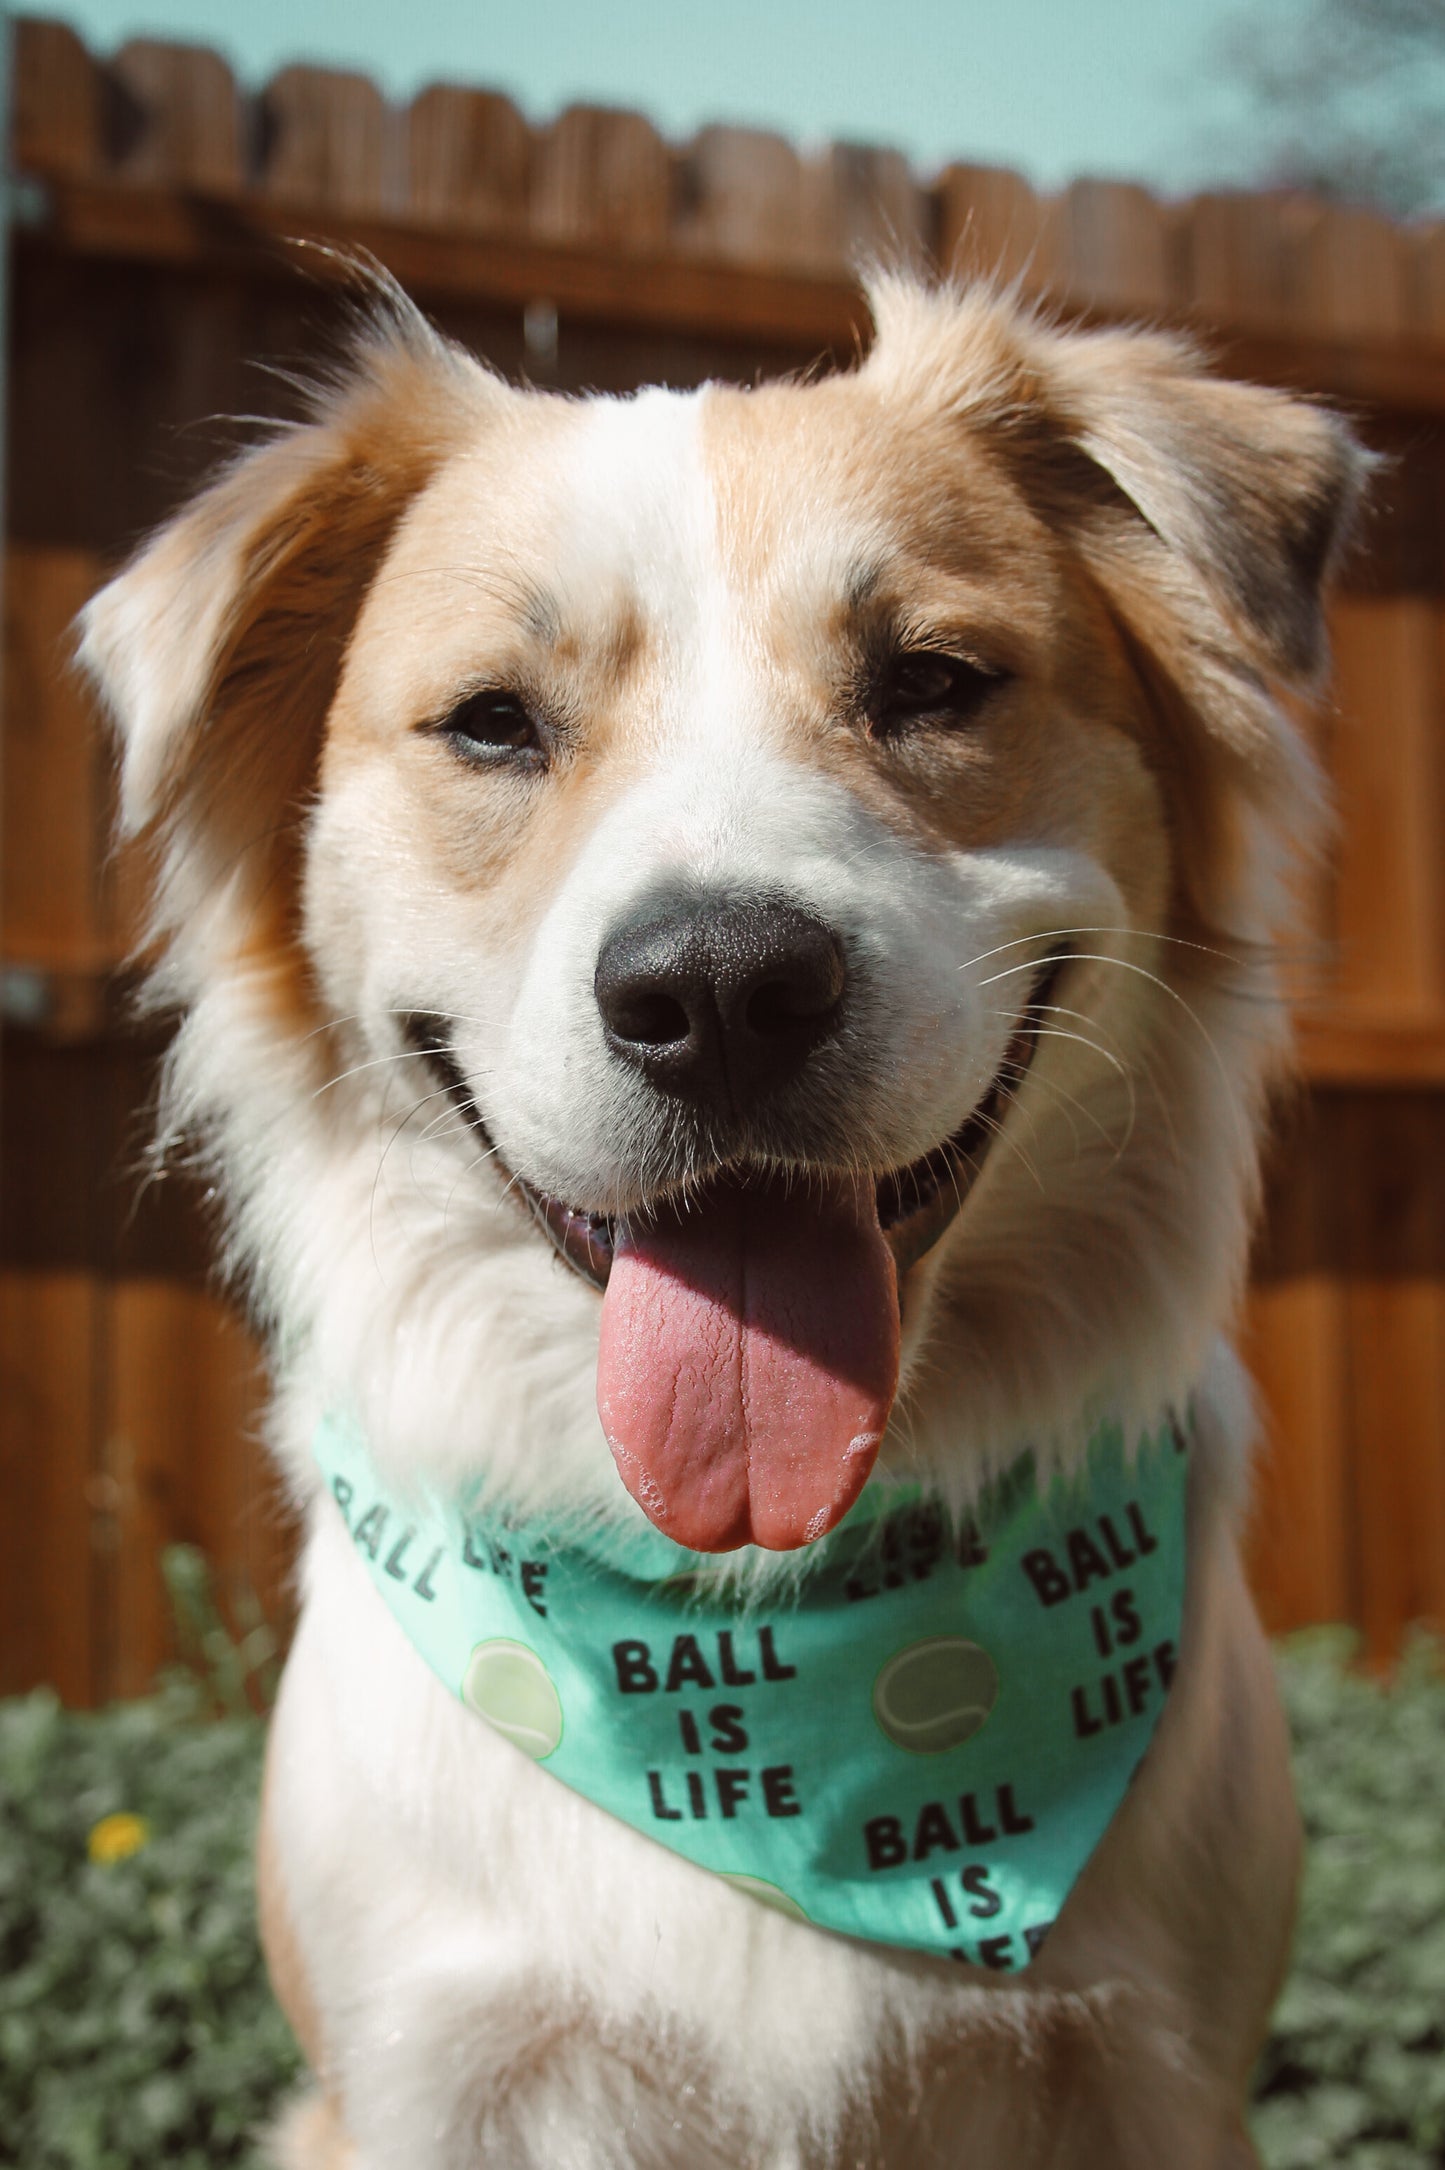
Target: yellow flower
(115,1838)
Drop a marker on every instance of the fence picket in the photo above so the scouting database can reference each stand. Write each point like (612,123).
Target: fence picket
(741,199)
(1295,1343)
(1397,1338)
(49,1390)
(1387,752)
(56,797)
(469,160)
(187,117)
(603,178)
(181,1371)
(1425,247)
(1113,250)
(1242,256)
(328,141)
(56,103)
(1354,275)
(992,225)
(865,206)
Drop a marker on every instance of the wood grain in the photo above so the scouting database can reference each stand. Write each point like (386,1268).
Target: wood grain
(1396,1338)
(468,160)
(602,178)
(991,225)
(57,98)
(53,1524)
(1114,248)
(1300,1532)
(741,198)
(1387,748)
(183,117)
(56,794)
(866,208)
(329,140)
(183,1456)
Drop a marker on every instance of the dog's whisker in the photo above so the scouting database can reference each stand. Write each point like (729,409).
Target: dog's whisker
(999,1129)
(1121,932)
(1057,1032)
(1124,964)
(1014,1073)
(378,1181)
(374,1062)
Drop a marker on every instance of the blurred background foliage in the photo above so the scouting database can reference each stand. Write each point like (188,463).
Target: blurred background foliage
(1345,98)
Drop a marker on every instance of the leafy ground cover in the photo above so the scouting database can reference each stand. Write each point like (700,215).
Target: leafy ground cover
(136,2027)
(1355,2070)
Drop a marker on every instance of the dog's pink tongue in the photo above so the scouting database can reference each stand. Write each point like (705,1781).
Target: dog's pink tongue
(749,1359)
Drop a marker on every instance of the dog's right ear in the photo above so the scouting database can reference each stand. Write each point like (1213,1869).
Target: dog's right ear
(217,650)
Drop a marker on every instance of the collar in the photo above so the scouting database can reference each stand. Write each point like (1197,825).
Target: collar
(921,1745)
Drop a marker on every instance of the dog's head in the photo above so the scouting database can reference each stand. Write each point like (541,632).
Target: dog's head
(799,856)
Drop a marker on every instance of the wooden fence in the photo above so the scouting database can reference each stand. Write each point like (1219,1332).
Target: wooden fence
(148,266)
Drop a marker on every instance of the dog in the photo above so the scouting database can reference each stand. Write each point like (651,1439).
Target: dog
(724,949)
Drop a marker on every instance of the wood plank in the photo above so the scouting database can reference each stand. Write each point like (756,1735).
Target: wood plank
(672,292)
(1336,1050)
(468,160)
(186,117)
(181,1450)
(1387,752)
(740,198)
(991,225)
(1397,1365)
(56,797)
(866,207)
(330,142)
(53,1526)
(603,178)
(1353,275)
(56,102)
(1243,258)
(650,293)
(1299,1542)
(1113,248)
(1425,246)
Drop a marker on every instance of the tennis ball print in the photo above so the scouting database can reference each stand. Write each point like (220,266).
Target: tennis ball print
(935,1694)
(509,1686)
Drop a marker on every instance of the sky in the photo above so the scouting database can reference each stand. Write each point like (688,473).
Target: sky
(1056,88)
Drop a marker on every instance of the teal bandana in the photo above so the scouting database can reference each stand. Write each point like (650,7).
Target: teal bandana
(922,1746)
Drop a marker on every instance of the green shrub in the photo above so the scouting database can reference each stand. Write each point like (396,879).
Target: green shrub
(136,2027)
(1355,2069)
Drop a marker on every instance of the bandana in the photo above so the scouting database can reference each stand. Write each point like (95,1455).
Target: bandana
(920,1745)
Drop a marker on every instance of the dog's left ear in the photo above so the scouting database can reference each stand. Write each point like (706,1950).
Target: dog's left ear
(1210,513)
(1252,490)
(1208,517)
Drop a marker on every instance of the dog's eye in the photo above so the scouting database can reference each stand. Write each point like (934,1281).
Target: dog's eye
(493,725)
(923,685)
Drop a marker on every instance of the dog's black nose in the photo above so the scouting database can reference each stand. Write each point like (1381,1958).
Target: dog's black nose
(720,1001)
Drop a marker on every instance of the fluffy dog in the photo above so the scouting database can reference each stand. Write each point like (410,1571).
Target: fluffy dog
(722,943)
